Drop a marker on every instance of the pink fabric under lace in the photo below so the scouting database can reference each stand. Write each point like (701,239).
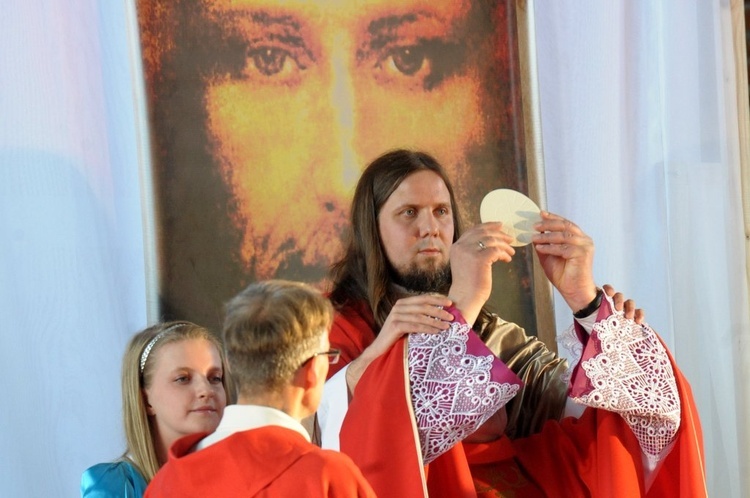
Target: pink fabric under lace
(626,369)
(456,385)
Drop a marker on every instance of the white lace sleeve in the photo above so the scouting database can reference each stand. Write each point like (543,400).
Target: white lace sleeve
(626,369)
(456,385)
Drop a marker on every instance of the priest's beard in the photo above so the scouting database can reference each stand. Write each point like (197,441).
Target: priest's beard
(424,280)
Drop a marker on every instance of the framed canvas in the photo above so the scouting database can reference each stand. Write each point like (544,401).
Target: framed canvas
(262,114)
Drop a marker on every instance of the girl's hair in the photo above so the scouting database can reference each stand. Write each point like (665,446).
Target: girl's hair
(137,373)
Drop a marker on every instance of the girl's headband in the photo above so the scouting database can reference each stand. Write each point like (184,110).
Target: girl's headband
(152,343)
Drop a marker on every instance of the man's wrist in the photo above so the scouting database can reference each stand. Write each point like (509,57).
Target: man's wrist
(357,367)
(352,375)
(592,306)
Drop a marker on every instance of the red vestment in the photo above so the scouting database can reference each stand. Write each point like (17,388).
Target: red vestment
(269,461)
(594,455)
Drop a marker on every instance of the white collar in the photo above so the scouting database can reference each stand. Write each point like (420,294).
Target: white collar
(239,418)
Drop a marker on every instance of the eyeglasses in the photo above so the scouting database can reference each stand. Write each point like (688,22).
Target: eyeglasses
(332,354)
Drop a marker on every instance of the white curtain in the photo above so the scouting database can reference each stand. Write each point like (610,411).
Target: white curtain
(72,287)
(641,144)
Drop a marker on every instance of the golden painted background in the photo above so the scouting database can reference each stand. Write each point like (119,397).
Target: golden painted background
(263,114)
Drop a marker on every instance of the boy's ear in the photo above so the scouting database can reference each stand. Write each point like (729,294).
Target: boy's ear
(310,379)
(313,374)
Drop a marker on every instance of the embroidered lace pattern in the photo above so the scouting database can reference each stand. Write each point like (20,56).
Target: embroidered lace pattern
(632,376)
(452,390)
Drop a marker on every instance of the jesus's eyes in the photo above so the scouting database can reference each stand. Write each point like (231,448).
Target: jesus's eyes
(261,51)
(271,61)
(402,54)
(424,64)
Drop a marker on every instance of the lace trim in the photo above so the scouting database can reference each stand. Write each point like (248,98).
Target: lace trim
(452,390)
(632,376)
(568,340)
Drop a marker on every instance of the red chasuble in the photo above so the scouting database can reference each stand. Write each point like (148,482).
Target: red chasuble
(268,461)
(596,455)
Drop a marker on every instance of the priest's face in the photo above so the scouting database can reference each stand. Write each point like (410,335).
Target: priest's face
(416,231)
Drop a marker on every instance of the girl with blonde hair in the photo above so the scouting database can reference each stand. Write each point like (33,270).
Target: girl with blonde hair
(174,383)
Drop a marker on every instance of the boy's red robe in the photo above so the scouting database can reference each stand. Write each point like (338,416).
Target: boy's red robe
(269,461)
(594,455)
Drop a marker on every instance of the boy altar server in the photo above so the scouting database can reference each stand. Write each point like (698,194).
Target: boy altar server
(276,341)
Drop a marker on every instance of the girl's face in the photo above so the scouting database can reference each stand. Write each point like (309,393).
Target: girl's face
(186,394)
